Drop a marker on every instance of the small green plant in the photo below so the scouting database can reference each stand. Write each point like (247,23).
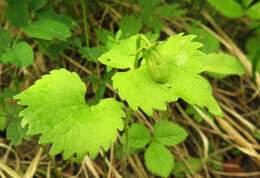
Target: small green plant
(56,106)
(158,159)
(170,73)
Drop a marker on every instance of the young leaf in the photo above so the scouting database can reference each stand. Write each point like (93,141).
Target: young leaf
(182,59)
(48,30)
(138,136)
(129,30)
(17,12)
(20,55)
(15,132)
(57,110)
(222,64)
(228,8)
(194,89)
(5,39)
(180,170)
(140,90)
(159,160)
(169,133)
(121,56)
(182,53)
(254,11)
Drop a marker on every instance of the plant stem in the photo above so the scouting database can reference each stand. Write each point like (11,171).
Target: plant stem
(83,5)
(143,37)
(57,173)
(18,36)
(126,141)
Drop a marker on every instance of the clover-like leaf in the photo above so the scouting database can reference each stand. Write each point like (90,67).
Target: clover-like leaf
(138,136)
(15,132)
(159,160)
(57,110)
(169,133)
(20,55)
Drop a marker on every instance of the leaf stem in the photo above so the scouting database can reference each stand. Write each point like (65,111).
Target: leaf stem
(83,5)
(18,36)
(126,141)
(143,37)
(57,173)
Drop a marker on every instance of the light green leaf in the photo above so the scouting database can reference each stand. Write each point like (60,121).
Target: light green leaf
(254,11)
(5,39)
(211,44)
(170,11)
(17,12)
(180,170)
(138,136)
(20,55)
(182,53)
(169,133)
(36,4)
(121,56)
(194,89)
(57,110)
(140,90)
(222,64)
(183,61)
(159,160)
(129,30)
(228,8)
(15,132)
(48,30)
